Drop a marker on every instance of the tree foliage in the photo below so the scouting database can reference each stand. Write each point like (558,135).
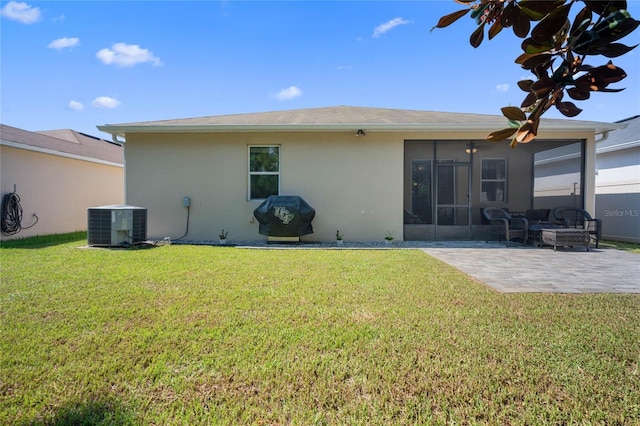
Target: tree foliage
(555,46)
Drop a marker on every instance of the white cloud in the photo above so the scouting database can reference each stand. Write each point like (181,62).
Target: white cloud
(105,102)
(127,55)
(288,93)
(75,106)
(388,26)
(21,12)
(504,87)
(64,42)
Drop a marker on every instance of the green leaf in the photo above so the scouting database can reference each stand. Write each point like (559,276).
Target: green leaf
(478,10)
(500,135)
(521,23)
(611,90)
(568,109)
(543,87)
(514,113)
(607,7)
(449,19)
(529,100)
(536,9)
(534,61)
(531,46)
(608,73)
(597,79)
(614,50)
(525,85)
(495,29)
(581,22)
(578,94)
(477,36)
(513,124)
(622,29)
(525,134)
(551,24)
(507,15)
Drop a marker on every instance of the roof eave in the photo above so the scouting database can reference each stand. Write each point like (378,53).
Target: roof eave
(122,130)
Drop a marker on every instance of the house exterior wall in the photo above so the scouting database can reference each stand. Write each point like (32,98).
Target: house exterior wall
(355,184)
(57,188)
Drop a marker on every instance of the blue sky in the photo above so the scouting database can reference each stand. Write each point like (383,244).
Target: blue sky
(78,64)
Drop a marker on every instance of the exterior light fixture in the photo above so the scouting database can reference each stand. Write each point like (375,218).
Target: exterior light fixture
(360,132)
(471,148)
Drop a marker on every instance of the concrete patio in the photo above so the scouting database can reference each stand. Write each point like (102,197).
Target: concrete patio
(520,269)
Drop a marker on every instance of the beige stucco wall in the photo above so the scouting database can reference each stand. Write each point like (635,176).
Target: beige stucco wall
(353,183)
(58,189)
(356,184)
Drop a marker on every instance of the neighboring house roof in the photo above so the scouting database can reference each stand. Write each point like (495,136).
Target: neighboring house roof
(629,137)
(343,118)
(621,138)
(68,143)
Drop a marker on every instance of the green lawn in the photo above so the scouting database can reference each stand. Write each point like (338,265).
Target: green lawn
(209,335)
(630,247)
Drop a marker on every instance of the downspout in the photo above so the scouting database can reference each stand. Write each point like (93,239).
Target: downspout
(605,136)
(114,138)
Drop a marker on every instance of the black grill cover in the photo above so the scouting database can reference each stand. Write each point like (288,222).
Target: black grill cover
(285,216)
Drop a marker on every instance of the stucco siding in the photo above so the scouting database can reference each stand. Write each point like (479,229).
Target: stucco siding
(58,189)
(355,184)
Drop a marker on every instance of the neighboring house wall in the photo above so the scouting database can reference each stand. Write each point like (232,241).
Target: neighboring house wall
(558,177)
(56,186)
(618,183)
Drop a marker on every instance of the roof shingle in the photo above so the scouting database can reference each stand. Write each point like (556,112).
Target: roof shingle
(65,141)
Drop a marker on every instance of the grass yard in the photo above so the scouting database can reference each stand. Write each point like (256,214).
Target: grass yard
(209,335)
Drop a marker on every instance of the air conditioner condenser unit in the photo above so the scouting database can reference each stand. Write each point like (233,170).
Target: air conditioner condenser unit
(116,225)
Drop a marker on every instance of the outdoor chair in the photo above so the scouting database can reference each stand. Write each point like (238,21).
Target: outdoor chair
(575,217)
(503,225)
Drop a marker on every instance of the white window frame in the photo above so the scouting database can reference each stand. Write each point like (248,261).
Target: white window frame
(504,180)
(250,173)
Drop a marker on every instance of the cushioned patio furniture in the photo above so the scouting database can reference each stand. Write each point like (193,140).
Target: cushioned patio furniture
(537,215)
(575,217)
(503,225)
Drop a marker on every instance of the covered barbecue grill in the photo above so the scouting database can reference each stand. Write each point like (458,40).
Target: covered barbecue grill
(287,216)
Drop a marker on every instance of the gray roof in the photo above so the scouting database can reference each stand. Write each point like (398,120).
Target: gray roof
(622,138)
(63,141)
(342,118)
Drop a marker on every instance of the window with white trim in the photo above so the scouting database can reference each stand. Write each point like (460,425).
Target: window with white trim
(264,171)
(494,180)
